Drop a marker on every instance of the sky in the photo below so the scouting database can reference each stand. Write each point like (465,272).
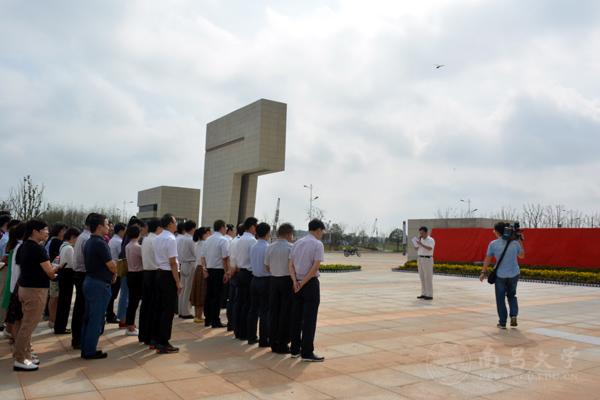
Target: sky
(101,99)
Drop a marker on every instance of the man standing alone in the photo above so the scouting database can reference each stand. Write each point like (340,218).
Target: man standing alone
(305,259)
(424,246)
(167,283)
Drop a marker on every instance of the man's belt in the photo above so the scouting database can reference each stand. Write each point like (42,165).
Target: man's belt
(425,256)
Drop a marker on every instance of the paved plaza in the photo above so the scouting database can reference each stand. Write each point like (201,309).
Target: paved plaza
(379,341)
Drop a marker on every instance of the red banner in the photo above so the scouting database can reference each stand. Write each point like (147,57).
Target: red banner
(553,247)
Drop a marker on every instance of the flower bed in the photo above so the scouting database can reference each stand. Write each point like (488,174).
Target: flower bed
(527,273)
(339,268)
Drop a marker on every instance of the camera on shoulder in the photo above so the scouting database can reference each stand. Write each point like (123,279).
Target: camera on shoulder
(512,232)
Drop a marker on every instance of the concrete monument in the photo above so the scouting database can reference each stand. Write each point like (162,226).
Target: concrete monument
(240,146)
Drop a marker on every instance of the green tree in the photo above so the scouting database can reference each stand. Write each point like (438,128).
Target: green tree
(396,237)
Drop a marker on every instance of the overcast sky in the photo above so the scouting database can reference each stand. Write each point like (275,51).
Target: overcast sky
(100,99)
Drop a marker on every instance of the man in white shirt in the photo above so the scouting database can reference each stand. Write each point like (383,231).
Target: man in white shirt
(167,281)
(149,308)
(305,259)
(186,249)
(115,244)
(424,246)
(244,278)
(231,287)
(215,255)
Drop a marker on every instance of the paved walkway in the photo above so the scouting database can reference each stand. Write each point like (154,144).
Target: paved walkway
(379,340)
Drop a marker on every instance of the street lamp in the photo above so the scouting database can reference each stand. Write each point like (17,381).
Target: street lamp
(469,211)
(125,202)
(310,201)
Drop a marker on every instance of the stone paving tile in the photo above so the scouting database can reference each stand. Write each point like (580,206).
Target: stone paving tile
(155,391)
(380,342)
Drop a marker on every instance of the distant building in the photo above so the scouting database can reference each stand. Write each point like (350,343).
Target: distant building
(183,203)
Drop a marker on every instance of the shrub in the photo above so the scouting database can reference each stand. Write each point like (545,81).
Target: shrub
(339,268)
(537,273)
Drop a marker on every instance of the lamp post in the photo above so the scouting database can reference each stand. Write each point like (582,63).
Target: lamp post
(310,201)
(469,211)
(125,202)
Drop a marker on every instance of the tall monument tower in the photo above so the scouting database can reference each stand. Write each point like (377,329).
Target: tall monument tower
(240,146)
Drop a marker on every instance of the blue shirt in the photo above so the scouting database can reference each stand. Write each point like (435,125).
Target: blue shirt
(510,265)
(3,243)
(96,254)
(257,259)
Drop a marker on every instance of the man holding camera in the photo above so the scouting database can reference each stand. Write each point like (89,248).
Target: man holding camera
(506,249)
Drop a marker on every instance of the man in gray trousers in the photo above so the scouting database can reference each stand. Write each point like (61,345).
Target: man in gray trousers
(424,246)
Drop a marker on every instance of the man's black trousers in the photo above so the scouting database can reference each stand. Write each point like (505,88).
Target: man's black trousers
(305,306)
(214,290)
(259,308)
(148,309)
(167,305)
(280,305)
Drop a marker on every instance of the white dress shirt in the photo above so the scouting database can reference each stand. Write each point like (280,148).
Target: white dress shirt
(165,248)
(233,252)
(214,250)
(243,251)
(148,259)
(429,242)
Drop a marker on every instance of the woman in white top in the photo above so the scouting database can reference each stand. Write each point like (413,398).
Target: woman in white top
(198,293)
(10,299)
(65,281)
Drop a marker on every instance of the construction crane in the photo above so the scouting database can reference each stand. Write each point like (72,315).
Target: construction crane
(276,219)
(375,230)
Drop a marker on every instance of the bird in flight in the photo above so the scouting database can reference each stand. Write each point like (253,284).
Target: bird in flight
(438,66)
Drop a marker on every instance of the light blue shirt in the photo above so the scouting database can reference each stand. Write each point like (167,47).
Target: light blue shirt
(257,259)
(510,265)
(3,243)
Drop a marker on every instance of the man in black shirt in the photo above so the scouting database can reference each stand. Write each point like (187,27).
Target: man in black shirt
(100,270)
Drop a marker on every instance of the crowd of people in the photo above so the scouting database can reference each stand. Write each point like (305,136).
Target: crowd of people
(269,288)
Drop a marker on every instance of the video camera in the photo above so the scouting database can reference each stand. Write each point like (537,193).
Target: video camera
(512,232)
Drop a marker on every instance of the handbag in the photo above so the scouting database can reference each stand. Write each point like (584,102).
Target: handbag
(122,267)
(492,276)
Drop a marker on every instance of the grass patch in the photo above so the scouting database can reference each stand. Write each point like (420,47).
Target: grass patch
(339,268)
(529,273)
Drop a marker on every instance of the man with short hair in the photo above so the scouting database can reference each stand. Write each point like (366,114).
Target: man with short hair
(305,258)
(424,246)
(149,308)
(280,297)
(244,277)
(100,271)
(167,282)
(78,278)
(507,272)
(259,288)
(186,251)
(215,255)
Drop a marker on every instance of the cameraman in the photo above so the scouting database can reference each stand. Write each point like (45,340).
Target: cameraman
(507,273)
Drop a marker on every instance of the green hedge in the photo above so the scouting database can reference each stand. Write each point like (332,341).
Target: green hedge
(538,273)
(339,268)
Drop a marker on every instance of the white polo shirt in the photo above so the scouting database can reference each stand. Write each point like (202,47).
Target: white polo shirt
(214,250)
(165,247)
(429,242)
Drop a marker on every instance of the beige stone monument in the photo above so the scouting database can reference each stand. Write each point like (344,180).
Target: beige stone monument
(240,146)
